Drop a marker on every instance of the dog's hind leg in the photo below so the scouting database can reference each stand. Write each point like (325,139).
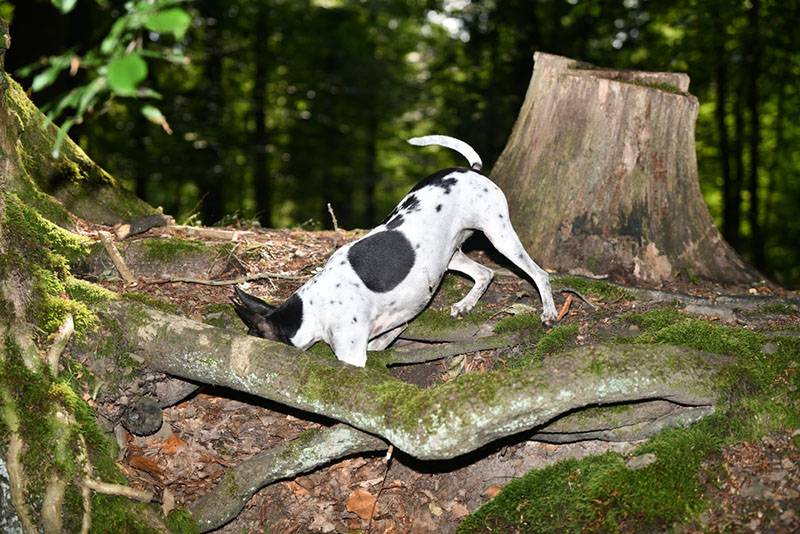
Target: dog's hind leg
(482,276)
(385,339)
(497,228)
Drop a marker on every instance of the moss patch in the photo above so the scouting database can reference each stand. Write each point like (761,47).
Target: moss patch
(149,300)
(172,248)
(596,288)
(555,340)
(601,494)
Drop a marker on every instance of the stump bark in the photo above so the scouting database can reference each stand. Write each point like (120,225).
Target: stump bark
(601,174)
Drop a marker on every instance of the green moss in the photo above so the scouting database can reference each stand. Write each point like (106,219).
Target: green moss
(779,308)
(119,514)
(149,300)
(180,521)
(710,337)
(600,493)
(31,231)
(595,288)
(554,340)
(171,249)
(521,322)
(434,320)
(87,292)
(653,320)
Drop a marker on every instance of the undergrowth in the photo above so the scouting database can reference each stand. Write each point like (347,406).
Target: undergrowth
(758,393)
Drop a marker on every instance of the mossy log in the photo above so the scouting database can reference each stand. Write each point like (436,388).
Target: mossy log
(436,423)
(601,174)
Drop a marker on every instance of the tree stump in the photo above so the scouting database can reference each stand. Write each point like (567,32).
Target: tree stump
(601,174)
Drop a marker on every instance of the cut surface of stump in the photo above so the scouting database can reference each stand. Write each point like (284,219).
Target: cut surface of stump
(601,174)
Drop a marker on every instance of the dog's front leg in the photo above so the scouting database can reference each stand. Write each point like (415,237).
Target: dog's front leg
(350,346)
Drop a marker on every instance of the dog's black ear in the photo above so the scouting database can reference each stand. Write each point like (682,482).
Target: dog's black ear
(254,313)
(251,302)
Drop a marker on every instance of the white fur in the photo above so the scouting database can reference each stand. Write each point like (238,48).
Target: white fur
(339,309)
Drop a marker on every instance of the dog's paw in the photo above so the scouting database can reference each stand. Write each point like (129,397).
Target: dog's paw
(549,318)
(459,309)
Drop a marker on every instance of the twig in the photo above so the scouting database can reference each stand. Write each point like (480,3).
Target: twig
(388,461)
(564,308)
(577,294)
(212,233)
(86,492)
(116,259)
(235,281)
(333,218)
(106,488)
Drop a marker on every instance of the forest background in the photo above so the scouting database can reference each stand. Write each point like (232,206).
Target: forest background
(264,111)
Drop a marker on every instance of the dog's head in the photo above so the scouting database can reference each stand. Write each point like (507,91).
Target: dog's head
(255,313)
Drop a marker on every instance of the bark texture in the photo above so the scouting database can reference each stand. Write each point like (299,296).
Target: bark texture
(436,423)
(601,174)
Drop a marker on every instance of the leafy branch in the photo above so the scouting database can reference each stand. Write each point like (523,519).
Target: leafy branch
(118,67)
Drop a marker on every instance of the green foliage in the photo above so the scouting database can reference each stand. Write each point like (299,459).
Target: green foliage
(118,67)
(600,493)
(126,73)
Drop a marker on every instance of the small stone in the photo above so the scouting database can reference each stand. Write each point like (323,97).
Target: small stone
(435,509)
(755,490)
(770,348)
(643,460)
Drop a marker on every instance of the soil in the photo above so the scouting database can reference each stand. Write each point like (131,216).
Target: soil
(215,429)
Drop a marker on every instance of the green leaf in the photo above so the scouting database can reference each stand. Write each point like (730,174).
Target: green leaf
(154,115)
(60,136)
(126,73)
(65,6)
(112,40)
(45,78)
(175,21)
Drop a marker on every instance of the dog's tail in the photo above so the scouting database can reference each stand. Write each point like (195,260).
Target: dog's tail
(452,143)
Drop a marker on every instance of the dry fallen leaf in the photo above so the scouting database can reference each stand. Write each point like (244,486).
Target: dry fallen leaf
(458,510)
(171,445)
(362,503)
(167,502)
(297,489)
(492,491)
(145,464)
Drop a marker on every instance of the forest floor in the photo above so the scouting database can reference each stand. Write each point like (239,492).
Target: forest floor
(213,430)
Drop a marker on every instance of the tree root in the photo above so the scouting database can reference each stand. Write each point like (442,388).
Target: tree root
(235,281)
(16,479)
(436,423)
(116,258)
(107,488)
(401,356)
(309,451)
(60,342)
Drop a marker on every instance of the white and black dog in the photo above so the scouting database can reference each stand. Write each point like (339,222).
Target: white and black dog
(371,288)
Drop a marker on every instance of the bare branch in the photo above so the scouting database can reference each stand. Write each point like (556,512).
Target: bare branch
(313,449)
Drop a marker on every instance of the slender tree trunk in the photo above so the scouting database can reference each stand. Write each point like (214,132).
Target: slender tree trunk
(756,238)
(213,205)
(739,171)
(730,231)
(261,174)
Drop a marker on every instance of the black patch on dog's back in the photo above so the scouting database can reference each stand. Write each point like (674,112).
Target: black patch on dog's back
(382,260)
(288,318)
(440,179)
(395,222)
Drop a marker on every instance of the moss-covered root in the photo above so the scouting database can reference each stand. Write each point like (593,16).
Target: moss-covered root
(309,451)
(16,475)
(435,423)
(437,352)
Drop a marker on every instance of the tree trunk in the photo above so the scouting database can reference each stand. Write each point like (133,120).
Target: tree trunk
(261,175)
(754,218)
(601,174)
